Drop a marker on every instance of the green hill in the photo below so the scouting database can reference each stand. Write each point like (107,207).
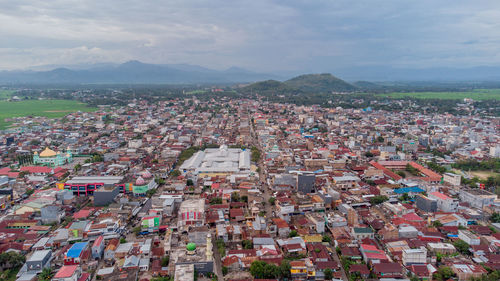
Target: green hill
(323,83)
(269,87)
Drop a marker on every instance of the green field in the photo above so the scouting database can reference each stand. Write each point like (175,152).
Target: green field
(47,108)
(5,94)
(483,94)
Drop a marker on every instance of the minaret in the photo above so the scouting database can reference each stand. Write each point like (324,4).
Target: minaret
(209,252)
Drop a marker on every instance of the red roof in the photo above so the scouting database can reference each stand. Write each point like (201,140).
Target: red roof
(66,271)
(98,241)
(440,195)
(81,214)
(36,169)
(412,217)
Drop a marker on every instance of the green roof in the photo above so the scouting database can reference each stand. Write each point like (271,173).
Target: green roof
(191,247)
(363,230)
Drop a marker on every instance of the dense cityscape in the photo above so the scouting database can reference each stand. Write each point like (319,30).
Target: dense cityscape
(234,188)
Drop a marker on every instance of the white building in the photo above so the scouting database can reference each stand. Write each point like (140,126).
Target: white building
(191,213)
(452,179)
(444,202)
(477,198)
(213,161)
(468,237)
(414,256)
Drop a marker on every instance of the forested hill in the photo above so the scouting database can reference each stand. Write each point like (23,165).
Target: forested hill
(323,83)
(309,83)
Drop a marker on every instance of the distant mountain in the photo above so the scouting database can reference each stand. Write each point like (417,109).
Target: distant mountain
(309,83)
(133,72)
(433,74)
(324,83)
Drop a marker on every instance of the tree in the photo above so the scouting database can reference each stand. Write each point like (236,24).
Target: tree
(375,200)
(462,247)
(401,174)
(46,274)
(165,260)
(369,154)
(293,233)
(123,240)
(225,270)
(380,139)
(443,273)
(327,239)
(272,200)
(175,173)
(247,244)
(328,274)
(235,197)
(495,218)
(189,182)
(136,230)
(285,269)
(437,223)
(215,201)
(263,270)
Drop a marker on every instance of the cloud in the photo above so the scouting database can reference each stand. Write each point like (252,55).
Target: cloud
(262,35)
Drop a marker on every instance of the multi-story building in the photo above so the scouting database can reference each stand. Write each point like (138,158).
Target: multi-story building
(452,179)
(477,198)
(191,212)
(444,202)
(425,203)
(468,237)
(414,256)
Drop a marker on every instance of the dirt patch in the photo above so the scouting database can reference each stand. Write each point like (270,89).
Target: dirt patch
(483,174)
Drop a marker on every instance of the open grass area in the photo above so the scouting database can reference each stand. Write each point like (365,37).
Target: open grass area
(483,174)
(47,108)
(482,94)
(5,94)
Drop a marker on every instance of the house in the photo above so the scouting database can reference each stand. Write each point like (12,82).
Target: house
(388,270)
(38,261)
(282,227)
(468,271)
(75,254)
(98,247)
(444,202)
(109,252)
(468,237)
(51,214)
(68,273)
(361,268)
(360,233)
(414,256)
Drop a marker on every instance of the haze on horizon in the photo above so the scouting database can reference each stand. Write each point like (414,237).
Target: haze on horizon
(265,36)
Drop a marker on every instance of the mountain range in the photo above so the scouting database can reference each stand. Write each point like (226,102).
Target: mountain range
(133,72)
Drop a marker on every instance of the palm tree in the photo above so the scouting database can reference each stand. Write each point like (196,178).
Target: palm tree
(46,274)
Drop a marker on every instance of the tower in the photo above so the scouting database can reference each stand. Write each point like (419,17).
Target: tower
(209,252)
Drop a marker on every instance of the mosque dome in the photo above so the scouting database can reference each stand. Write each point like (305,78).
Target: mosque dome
(140,181)
(146,174)
(48,153)
(191,247)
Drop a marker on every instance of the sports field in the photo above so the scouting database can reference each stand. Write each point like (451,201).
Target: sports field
(47,108)
(483,94)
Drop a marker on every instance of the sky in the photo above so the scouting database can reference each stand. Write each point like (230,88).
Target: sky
(266,36)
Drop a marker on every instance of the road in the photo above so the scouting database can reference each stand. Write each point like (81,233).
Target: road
(262,173)
(336,258)
(217,261)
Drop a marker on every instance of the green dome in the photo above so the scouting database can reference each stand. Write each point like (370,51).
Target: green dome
(191,247)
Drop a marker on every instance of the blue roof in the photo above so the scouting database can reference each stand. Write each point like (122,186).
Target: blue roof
(408,189)
(76,249)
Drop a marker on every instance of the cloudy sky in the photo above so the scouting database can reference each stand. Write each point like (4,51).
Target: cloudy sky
(308,35)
